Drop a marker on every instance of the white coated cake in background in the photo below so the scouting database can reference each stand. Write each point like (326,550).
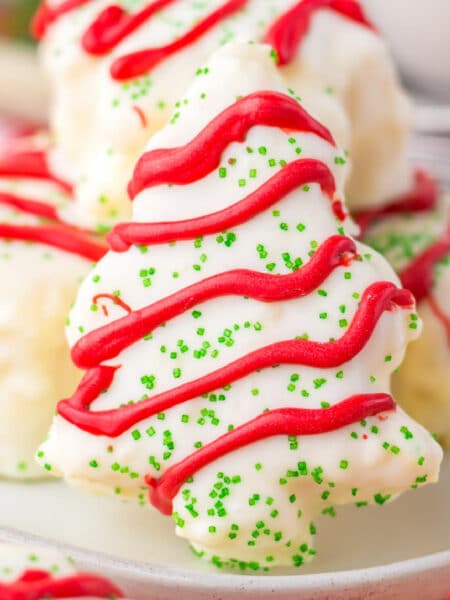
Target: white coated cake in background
(238,342)
(16,560)
(31,573)
(417,244)
(112,88)
(42,263)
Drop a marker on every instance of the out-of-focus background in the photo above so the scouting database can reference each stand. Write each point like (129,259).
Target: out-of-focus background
(418,33)
(15,17)
(23,91)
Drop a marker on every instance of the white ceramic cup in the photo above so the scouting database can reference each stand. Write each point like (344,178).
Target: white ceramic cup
(418,32)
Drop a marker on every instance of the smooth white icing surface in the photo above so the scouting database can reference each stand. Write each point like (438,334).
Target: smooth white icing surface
(280,481)
(342,70)
(37,287)
(15,560)
(425,372)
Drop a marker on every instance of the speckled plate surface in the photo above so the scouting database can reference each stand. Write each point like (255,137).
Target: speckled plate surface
(395,552)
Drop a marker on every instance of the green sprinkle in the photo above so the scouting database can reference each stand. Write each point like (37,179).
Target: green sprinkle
(407,434)
(380,499)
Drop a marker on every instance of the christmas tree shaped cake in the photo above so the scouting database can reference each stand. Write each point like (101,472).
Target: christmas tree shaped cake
(42,263)
(30,573)
(118,68)
(417,244)
(238,342)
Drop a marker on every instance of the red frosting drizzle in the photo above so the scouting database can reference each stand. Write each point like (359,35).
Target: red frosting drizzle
(114,299)
(46,15)
(33,165)
(138,63)
(284,421)
(30,164)
(109,341)
(288,32)
(378,298)
(422,197)
(12,130)
(418,275)
(114,24)
(31,207)
(59,236)
(141,115)
(199,157)
(37,584)
(282,183)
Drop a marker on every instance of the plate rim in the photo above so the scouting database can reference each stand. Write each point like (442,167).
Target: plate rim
(168,577)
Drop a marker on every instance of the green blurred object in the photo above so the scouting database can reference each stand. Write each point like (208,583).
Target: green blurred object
(15,17)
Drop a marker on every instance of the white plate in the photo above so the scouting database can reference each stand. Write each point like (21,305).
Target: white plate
(397,551)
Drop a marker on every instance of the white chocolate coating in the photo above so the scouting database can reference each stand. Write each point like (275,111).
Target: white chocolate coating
(37,287)
(15,560)
(425,373)
(28,571)
(279,481)
(98,130)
